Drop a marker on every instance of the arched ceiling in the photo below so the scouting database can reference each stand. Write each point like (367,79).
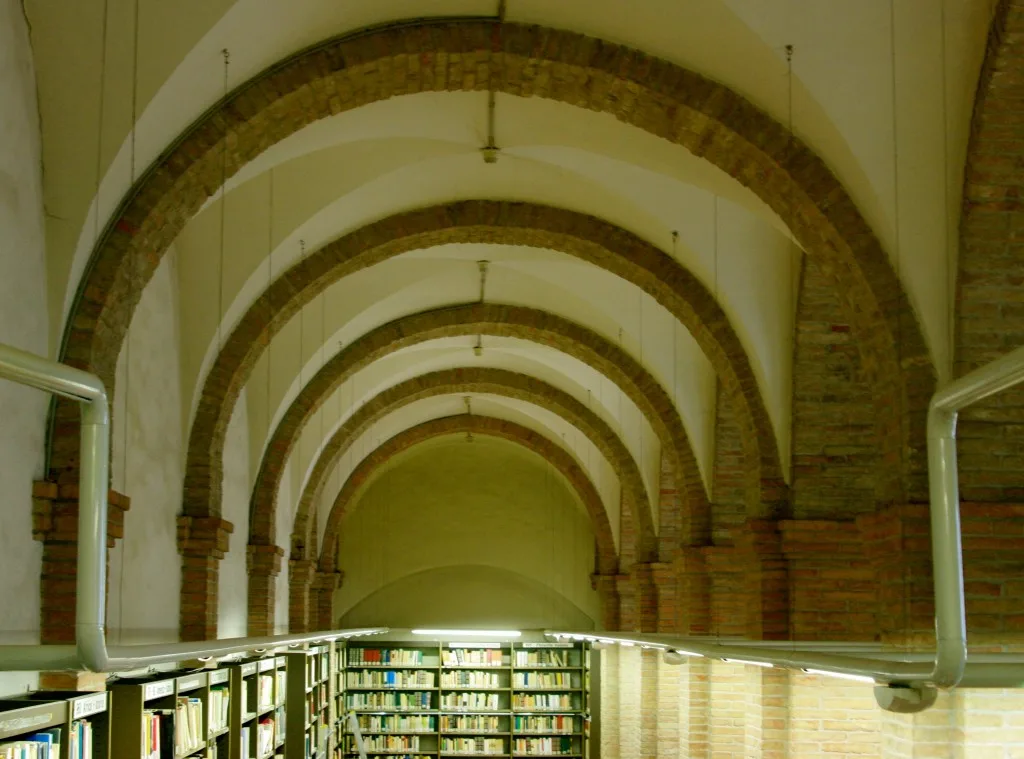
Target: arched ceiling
(880,89)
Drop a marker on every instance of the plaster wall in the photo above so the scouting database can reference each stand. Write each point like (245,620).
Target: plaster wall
(234,582)
(23,323)
(145,568)
(486,504)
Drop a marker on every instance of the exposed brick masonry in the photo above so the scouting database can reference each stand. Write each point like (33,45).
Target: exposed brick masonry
(487,319)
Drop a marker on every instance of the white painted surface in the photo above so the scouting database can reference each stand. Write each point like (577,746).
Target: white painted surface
(23,324)
(145,580)
(232,612)
(447,507)
(285,516)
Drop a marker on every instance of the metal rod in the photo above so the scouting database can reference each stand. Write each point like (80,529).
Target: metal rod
(90,650)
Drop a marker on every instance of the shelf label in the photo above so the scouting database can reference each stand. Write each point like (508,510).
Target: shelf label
(17,725)
(189,683)
(476,644)
(218,676)
(266,664)
(83,707)
(546,645)
(158,690)
(249,669)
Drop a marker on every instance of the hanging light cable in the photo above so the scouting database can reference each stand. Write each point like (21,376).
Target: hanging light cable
(270,294)
(223,208)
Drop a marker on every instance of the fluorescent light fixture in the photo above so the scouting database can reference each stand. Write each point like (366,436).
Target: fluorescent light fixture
(765,664)
(627,643)
(682,652)
(841,675)
(470,633)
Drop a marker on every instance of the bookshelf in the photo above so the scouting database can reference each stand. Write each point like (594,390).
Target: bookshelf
(55,725)
(258,712)
(468,699)
(312,711)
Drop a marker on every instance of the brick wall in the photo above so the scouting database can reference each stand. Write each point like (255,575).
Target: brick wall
(835,448)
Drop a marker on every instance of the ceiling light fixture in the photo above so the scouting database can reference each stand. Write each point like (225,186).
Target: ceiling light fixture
(842,676)
(765,664)
(470,633)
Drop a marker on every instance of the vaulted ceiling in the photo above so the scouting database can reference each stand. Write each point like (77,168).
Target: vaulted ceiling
(879,90)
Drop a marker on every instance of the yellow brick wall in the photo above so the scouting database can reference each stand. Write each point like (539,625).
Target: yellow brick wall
(715,710)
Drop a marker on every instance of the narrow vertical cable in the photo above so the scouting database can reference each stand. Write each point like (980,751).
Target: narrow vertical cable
(270,293)
(950,265)
(223,209)
(302,319)
(99,126)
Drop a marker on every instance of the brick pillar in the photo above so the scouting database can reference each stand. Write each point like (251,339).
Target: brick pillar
(202,543)
(693,593)
(300,596)
(654,589)
(324,585)
(897,540)
(263,565)
(767,580)
(55,524)
(608,593)
(629,601)
(695,709)
(765,729)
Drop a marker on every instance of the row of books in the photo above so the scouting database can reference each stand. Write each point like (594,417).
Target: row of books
(470,678)
(220,701)
(487,701)
(543,680)
(188,725)
(317,668)
(542,701)
(386,700)
(473,745)
(389,743)
(379,656)
(542,658)
(265,691)
(560,723)
(406,723)
(42,745)
(392,678)
(466,723)
(488,657)
(544,746)
(80,745)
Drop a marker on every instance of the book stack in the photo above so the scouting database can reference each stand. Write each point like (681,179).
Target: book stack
(405,702)
(472,746)
(543,658)
(265,691)
(413,723)
(282,685)
(542,701)
(477,701)
(470,723)
(470,679)
(391,679)
(220,699)
(388,743)
(486,657)
(265,737)
(543,679)
(152,734)
(43,745)
(80,746)
(378,657)
(561,723)
(188,726)
(542,746)
(244,742)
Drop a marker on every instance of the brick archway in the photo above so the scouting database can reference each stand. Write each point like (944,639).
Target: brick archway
(550,451)
(499,321)
(575,234)
(990,315)
(458,381)
(705,117)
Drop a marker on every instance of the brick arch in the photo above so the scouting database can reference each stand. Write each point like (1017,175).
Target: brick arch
(681,106)
(478,221)
(491,381)
(990,307)
(553,453)
(496,320)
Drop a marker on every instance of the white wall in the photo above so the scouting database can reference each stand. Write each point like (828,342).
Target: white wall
(447,513)
(145,572)
(23,323)
(232,612)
